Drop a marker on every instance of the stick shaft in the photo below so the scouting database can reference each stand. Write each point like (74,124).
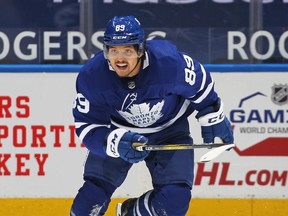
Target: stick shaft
(218,148)
(142,147)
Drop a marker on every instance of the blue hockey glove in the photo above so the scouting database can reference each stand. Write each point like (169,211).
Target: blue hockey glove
(215,124)
(119,144)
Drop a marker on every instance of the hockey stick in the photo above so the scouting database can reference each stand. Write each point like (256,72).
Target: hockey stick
(218,148)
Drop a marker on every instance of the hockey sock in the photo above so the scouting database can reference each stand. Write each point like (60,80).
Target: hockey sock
(92,199)
(172,200)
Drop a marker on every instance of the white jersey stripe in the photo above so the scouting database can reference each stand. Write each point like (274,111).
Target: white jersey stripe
(88,128)
(204,77)
(146,199)
(137,208)
(79,124)
(205,93)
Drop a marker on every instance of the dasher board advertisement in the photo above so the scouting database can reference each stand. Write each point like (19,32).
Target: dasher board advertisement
(38,146)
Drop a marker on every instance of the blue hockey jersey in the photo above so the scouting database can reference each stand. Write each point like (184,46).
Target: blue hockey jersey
(170,86)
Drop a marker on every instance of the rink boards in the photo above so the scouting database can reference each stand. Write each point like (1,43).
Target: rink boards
(37,132)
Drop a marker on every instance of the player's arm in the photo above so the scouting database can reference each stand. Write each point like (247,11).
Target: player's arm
(214,123)
(199,89)
(92,123)
(93,127)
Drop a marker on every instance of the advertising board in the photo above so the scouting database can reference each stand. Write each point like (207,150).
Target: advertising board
(214,31)
(39,148)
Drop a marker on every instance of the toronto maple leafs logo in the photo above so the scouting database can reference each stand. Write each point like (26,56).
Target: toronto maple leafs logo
(140,115)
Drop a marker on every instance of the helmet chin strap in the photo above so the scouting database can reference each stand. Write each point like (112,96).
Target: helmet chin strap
(139,58)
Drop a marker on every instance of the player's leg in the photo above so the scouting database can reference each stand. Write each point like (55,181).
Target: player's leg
(93,198)
(102,175)
(172,200)
(172,175)
(171,197)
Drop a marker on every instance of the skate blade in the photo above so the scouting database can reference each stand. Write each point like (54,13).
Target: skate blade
(118,209)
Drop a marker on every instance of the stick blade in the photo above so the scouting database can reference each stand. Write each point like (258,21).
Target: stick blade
(215,152)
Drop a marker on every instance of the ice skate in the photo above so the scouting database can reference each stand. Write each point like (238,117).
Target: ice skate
(122,208)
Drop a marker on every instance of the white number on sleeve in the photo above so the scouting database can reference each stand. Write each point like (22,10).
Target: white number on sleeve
(81,103)
(190,75)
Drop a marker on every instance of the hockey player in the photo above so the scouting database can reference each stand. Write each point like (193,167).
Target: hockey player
(142,91)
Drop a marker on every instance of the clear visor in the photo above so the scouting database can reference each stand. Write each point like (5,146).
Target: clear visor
(122,52)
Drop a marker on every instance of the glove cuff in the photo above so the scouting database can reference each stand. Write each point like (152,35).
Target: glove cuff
(213,118)
(113,140)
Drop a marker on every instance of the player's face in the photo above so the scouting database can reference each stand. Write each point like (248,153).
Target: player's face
(124,60)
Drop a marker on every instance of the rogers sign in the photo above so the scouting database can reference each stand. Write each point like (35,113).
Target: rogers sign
(25,45)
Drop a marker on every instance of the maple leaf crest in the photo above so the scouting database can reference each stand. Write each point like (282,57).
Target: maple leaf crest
(141,115)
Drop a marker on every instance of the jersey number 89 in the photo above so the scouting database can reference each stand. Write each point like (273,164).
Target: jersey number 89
(81,103)
(190,75)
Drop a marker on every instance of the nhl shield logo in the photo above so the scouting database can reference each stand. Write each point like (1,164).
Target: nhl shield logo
(131,85)
(280,94)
